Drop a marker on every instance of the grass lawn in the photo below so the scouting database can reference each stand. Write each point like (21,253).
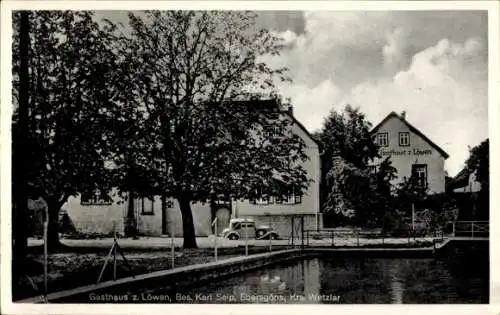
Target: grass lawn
(71,267)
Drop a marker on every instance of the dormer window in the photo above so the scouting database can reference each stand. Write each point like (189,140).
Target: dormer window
(383,139)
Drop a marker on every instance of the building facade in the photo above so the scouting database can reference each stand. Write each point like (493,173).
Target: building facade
(411,153)
(102,214)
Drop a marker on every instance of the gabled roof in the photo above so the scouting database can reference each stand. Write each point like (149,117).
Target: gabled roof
(461,179)
(301,126)
(271,105)
(413,129)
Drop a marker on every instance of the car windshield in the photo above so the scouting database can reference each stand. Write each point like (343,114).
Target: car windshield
(236,225)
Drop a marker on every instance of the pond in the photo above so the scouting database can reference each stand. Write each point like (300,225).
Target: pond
(351,280)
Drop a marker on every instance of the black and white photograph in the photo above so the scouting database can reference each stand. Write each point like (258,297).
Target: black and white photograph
(246,155)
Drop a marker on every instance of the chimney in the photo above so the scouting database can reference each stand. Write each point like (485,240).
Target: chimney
(290,110)
(403,114)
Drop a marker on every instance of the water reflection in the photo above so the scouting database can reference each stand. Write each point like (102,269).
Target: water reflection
(311,275)
(397,287)
(352,280)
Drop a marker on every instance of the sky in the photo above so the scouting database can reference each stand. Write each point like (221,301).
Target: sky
(431,64)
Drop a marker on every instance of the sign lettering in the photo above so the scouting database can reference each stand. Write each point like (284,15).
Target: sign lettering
(414,152)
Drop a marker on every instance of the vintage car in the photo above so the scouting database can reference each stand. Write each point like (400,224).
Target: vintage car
(242,228)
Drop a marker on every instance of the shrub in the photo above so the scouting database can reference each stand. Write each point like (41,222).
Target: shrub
(394,223)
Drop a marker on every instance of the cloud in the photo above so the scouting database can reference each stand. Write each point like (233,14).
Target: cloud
(394,49)
(342,46)
(433,64)
(444,92)
(312,104)
(289,37)
(385,61)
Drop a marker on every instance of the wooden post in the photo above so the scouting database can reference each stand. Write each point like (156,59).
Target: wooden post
(333,239)
(45,252)
(453,229)
(413,216)
(307,237)
(472,229)
(246,240)
(357,237)
(172,249)
(114,251)
(164,221)
(111,250)
(215,238)
(293,228)
(302,229)
(270,243)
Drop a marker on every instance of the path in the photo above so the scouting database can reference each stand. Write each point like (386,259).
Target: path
(208,242)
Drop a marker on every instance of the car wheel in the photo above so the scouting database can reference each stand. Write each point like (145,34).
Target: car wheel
(233,237)
(272,236)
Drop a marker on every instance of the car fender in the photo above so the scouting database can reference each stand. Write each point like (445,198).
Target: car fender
(267,234)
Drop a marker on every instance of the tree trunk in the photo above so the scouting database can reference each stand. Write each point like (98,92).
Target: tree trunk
(187,223)
(20,215)
(164,215)
(130,226)
(53,241)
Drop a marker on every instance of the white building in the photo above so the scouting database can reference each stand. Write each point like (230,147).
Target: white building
(411,153)
(97,215)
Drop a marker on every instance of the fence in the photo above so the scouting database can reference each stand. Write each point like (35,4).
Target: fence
(471,228)
(357,237)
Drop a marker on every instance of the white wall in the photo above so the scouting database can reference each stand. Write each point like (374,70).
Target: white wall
(310,198)
(409,155)
(96,219)
(100,219)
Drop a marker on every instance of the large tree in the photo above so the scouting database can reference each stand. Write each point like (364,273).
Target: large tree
(347,147)
(19,177)
(69,90)
(478,164)
(196,82)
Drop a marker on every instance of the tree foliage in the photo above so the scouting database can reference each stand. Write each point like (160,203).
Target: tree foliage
(191,87)
(347,135)
(478,164)
(348,147)
(174,107)
(70,64)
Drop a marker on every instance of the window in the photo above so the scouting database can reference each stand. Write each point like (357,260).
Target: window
(404,139)
(261,200)
(383,139)
(145,205)
(247,225)
(298,198)
(273,132)
(290,198)
(96,197)
(419,175)
(237,226)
